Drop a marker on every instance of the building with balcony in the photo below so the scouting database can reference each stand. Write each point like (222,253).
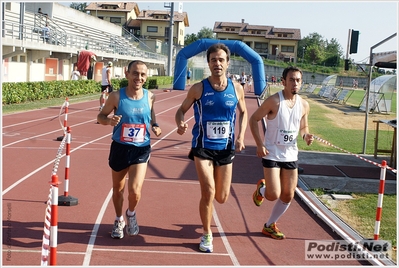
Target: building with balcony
(115,12)
(146,24)
(268,41)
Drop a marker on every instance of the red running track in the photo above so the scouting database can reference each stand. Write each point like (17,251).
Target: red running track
(170,226)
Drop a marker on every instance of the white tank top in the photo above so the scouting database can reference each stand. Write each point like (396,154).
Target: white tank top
(104,81)
(282,131)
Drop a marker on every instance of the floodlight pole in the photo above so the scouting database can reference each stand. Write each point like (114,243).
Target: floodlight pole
(170,54)
(368,89)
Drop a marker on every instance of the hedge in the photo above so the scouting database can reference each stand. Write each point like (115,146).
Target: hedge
(20,92)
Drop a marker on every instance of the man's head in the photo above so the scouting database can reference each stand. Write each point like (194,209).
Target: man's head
(109,64)
(218,56)
(291,69)
(215,48)
(136,74)
(292,79)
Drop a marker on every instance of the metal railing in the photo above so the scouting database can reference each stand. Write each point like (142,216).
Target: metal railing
(115,45)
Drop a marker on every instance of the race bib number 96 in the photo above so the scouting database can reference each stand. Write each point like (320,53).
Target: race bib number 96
(218,130)
(286,137)
(133,132)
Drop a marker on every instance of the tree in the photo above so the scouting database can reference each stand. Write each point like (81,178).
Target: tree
(79,6)
(206,33)
(203,33)
(333,53)
(190,38)
(319,51)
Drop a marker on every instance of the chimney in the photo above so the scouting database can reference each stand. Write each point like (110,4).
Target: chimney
(144,11)
(242,20)
(124,5)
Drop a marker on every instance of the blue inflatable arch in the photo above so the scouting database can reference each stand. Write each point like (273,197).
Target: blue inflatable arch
(242,49)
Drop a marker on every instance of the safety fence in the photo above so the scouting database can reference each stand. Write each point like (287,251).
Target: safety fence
(383,167)
(50,231)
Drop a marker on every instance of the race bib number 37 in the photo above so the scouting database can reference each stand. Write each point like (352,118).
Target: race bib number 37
(218,130)
(133,132)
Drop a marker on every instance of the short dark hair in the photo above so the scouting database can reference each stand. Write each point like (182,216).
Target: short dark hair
(135,62)
(216,47)
(291,69)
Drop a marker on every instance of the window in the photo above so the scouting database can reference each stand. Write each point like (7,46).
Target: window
(287,49)
(152,29)
(22,58)
(14,59)
(261,46)
(115,20)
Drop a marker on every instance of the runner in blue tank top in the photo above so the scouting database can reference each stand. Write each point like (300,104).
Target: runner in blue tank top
(216,101)
(133,117)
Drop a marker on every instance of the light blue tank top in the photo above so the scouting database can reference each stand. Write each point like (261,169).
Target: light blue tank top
(215,115)
(134,127)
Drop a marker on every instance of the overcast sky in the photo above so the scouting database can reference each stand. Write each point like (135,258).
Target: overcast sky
(375,20)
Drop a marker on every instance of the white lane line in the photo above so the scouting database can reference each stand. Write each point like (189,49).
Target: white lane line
(118,250)
(18,141)
(160,252)
(224,239)
(73,112)
(90,245)
(44,118)
(45,165)
(44,134)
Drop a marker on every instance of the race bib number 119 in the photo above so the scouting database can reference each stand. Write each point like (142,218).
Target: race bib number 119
(218,130)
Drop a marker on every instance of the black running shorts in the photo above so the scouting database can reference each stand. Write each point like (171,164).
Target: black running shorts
(110,88)
(219,157)
(274,164)
(122,156)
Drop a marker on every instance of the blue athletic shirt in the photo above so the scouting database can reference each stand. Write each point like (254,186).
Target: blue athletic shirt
(134,127)
(215,115)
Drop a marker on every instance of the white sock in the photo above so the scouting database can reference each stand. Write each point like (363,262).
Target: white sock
(278,210)
(119,218)
(130,213)
(262,191)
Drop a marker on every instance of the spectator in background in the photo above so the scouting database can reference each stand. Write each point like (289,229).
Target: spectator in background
(106,86)
(46,33)
(243,80)
(188,76)
(75,74)
(249,85)
(41,12)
